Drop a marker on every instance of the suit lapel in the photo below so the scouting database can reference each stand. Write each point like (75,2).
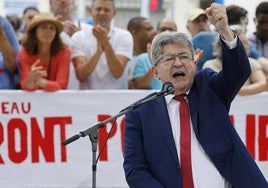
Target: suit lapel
(163,123)
(192,101)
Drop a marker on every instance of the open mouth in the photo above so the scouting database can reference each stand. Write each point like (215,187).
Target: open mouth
(178,74)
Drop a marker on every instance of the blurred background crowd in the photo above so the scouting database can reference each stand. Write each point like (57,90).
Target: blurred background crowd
(105,44)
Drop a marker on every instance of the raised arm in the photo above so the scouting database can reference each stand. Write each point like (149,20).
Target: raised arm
(235,63)
(9,54)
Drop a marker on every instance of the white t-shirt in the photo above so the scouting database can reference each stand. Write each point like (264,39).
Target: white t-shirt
(83,43)
(73,82)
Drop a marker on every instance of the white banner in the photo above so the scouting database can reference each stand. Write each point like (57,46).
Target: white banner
(33,126)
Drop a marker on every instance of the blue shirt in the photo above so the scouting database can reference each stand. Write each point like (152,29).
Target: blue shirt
(7,79)
(254,53)
(204,41)
(142,65)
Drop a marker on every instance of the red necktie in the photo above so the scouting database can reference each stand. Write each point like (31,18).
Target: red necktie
(185,143)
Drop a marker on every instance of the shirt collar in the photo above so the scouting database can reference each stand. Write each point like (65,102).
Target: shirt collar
(169,98)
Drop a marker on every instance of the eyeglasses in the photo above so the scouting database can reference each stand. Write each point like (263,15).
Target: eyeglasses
(171,58)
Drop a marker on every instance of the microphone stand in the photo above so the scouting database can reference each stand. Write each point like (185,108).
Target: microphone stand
(92,132)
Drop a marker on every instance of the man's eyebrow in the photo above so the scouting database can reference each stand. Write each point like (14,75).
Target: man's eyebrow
(181,53)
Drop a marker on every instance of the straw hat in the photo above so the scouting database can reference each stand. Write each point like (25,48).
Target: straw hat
(45,17)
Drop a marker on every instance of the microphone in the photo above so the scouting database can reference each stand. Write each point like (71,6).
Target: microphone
(167,88)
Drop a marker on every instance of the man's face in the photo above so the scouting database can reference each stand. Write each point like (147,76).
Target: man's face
(103,12)
(146,33)
(28,16)
(261,22)
(179,72)
(166,26)
(201,23)
(62,7)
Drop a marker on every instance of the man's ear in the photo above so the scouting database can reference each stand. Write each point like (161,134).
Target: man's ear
(134,32)
(155,72)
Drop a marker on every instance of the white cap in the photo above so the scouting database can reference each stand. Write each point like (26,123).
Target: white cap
(195,13)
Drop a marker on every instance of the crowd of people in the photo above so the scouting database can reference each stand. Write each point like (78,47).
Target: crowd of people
(56,52)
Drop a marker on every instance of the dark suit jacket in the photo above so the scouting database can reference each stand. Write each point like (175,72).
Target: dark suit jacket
(150,158)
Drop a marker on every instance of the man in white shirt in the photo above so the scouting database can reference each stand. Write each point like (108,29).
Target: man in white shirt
(101,55)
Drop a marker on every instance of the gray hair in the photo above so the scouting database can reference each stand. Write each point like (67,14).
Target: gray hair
(168,37)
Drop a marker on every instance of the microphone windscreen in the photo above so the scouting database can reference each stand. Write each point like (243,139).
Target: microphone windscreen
(168,87)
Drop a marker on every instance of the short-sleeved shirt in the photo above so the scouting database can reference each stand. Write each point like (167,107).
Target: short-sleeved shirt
(83,43)
(143,65)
